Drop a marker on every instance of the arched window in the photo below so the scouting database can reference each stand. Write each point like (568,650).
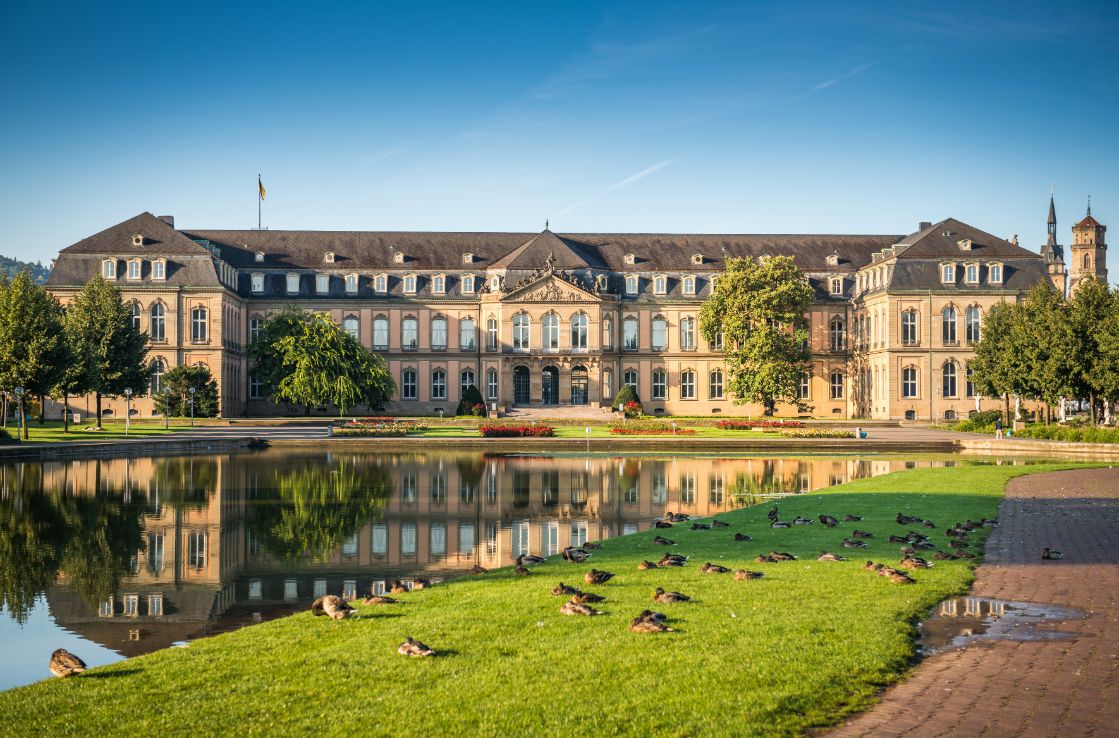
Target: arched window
(948,326)
(255,324)
(909,328)
(660,333)
(158,370)
(256,282)
(322,283)
(466,381)
(380,333)
(439,333)
(689,284)
(352,326)
(629,376)
(660,284)
(631,284)
(466,334)
(607,332)
(410,284)
(467,284)
(715,385)
(157,322)
(439,385)
(838,334)
(660,384)
(293,283)
(629,334)
(687,385)
(970,387)
(199,324)
(522,332)
(409,334)
(408,384)
(687,334)
(973,318)
(491,384)
(351,283)
(491,334)
(949,377)
(136,312)
(837,385)
(1087,262)
(908,382)
(549,329)
(579,325)
(439,284)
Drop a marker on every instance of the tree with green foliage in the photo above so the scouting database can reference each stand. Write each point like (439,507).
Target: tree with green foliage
(174,397)
(627,395)
(1105,371)
(33,350)
(314,362)
(1043,336)
(106,344)
(1091,308)
(998,369)
(760,308)
(471,399)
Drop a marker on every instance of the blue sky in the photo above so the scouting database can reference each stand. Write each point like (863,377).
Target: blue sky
(748,117)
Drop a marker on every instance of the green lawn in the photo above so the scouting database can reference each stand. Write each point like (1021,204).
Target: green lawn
(597,431)
(799,648)
(52,431)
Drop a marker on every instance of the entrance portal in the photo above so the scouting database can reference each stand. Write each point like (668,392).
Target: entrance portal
(549,385)
(520,385)
(579,384)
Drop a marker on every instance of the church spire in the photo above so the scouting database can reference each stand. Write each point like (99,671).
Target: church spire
(1051,241)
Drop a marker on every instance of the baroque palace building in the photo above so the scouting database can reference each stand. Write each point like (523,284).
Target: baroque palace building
(564,319)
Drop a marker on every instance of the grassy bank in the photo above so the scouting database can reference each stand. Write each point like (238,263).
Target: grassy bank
(776,656)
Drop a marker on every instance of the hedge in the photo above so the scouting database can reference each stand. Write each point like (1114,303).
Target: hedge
(516,431)
(752,424)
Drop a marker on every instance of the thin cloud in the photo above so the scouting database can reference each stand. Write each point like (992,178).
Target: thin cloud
(857,70)
(381,156)
(569,208)
(640,175)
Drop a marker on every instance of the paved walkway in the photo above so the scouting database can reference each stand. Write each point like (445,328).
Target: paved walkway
(1067,688)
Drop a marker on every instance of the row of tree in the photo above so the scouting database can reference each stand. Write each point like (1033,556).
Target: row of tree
(1050,349)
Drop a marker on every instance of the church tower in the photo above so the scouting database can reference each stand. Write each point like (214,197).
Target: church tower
(1088,253)
(1054,253)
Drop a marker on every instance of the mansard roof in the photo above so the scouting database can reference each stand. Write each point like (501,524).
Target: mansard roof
(545,247)
(941,241)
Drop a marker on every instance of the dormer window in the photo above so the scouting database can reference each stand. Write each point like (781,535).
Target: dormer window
(468,284)
(948,273)
(837,285)
(258,257)
(630,259)
(322,283)
(351,284)
(631,284)
(134,268)
(964,244)
(410,284)
(257,282)
(660,284)
(439,284)
(689,284)
(329,257)
(833,259)
(137,240)
(602,282)
(380,283)
(109,268)
(159,269)
(697,259)
(495,283)
(398,257)
(468,258)
(293,283)
(994,274)
(971,273)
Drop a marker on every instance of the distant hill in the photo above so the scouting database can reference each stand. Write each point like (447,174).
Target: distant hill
(12,267)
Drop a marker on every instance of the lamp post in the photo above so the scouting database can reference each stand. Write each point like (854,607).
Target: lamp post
(127,408)
(20,426)
(191,391)
(166,408)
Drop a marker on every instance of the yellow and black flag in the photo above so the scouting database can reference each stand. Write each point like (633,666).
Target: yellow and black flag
(260,186)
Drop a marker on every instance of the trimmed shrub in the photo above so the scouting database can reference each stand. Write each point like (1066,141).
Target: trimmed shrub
(1071,435)
(471,403)
(818,433)
(378,427)
(628,400)
(516,431)
(751,424)
(622,430)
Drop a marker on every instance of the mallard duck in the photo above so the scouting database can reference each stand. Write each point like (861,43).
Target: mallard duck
(765,559)
(575,555)
(710,568)
(852,518)
(780,524)
(380,600)
(742,537)
(798,520)
(1050,554)
(398,587)
(316,608)
(673,560)
(572,607)
(646,565)
(744,574)
(914,562)
(64,664)
(662,524)
(585,597)
(653,615)
(594,576)
(591,546)
(906,519)
(963,555)
(659,595)
(663,541)
(529,559)
(900,577)
(899,539)
(421,583)
(478,569)
(716,523)
(643,625)
(826,556)
(782,556)
(861,534)
(564,589)
(700,526)
(829,521)
(773,514)
(848,543)
(928,524)
(957,543)
(336,608)
(871,566)
(679,517)
(907,550)
(942,556)
(521,570)
(412,647)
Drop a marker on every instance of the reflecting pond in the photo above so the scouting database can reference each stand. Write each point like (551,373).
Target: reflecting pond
(120,557)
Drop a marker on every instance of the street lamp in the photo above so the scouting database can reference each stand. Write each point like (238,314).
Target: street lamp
(191,391)
(20,426)
(166,407)
(127,408)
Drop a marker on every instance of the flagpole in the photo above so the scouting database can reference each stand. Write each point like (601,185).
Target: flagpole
(258,201)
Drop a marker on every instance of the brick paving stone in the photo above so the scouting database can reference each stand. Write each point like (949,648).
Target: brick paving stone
(1028,689)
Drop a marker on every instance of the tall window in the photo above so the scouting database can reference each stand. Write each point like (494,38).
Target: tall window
(157,325)
(970,386)
(439,334)
(491,384)
(549,328)
(255,324)
(838,333)
(158,370)
(351,325)
(466,334)
(134,268)
(466,381)
(660,384)
(439,385)
(687,334)
(949,377)
(909,328)
(408,384)
(660,284)
(293,283)
(607,384)
(322,283)
(804,386)
(579,325)
(909,382)
(109,269)
(468,284)
(660,334)
(351,283)
(629,334)
(629,376)
(837,385)
(689,284)
(409,334)
(522,332)
(715,385)
(439,284)
(948,326)
(948,273)
(410,284)
(196,549)
(607,332)
(155,552)
(256,390)
(380,283)
(136,312)
(716,344)
(491,334)
(199,324)
(973,320)
(687,385)
(994,274)
(380,333)
(972,273)
(631,284)
(159,269)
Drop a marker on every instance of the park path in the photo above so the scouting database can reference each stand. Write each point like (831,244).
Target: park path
(1027,689)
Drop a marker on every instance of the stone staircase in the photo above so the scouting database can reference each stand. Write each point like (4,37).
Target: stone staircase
(557,412)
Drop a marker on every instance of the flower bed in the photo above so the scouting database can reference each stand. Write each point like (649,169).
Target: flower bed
(378,427)
(621,430)
(516,431)
(752,424)
(818,433)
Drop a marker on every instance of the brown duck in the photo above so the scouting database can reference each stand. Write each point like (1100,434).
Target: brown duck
(782,556)
(336,608)
(380,600)
(1050,554)
(575,555)
(765,559)
(829,521)
(585,597)
(648,625)
(700,526)
(914,562)
(646,565)
(852,518)
(861,534)
(398,587)
(659,595)
(412,647)
(594,576)
(564,590)
(64,664)
(710,568)
(848,543)
(673,560)
(663,541)
(716,523)
(742,537)
(572,607)
(662,524)
(826,556)
(478,569)
(743,574)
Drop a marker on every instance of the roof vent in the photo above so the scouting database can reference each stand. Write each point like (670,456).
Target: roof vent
(630,259)
(697,258)
(924,225)
(398,257)
(964,244)
(168,219)
(259,256)
(833,258)
(328,257)
(468,258)
(138,240)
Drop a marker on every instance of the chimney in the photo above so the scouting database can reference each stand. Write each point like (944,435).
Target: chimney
(168,219)
(923,225)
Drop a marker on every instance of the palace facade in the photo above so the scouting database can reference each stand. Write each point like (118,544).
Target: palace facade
(564,319)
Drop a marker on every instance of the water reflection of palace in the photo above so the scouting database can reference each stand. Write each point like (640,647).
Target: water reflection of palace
(220,541)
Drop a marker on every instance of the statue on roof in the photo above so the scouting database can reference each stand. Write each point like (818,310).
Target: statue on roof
(551,262)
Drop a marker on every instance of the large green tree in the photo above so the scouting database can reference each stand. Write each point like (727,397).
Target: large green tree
(1105,372)
(760,308)
(1091,308)
(107,345)
(33,351)
(1044,338)
(314,362)
(174,395)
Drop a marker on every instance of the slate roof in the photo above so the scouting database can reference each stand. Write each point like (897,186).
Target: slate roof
(941,241)
(924,275)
